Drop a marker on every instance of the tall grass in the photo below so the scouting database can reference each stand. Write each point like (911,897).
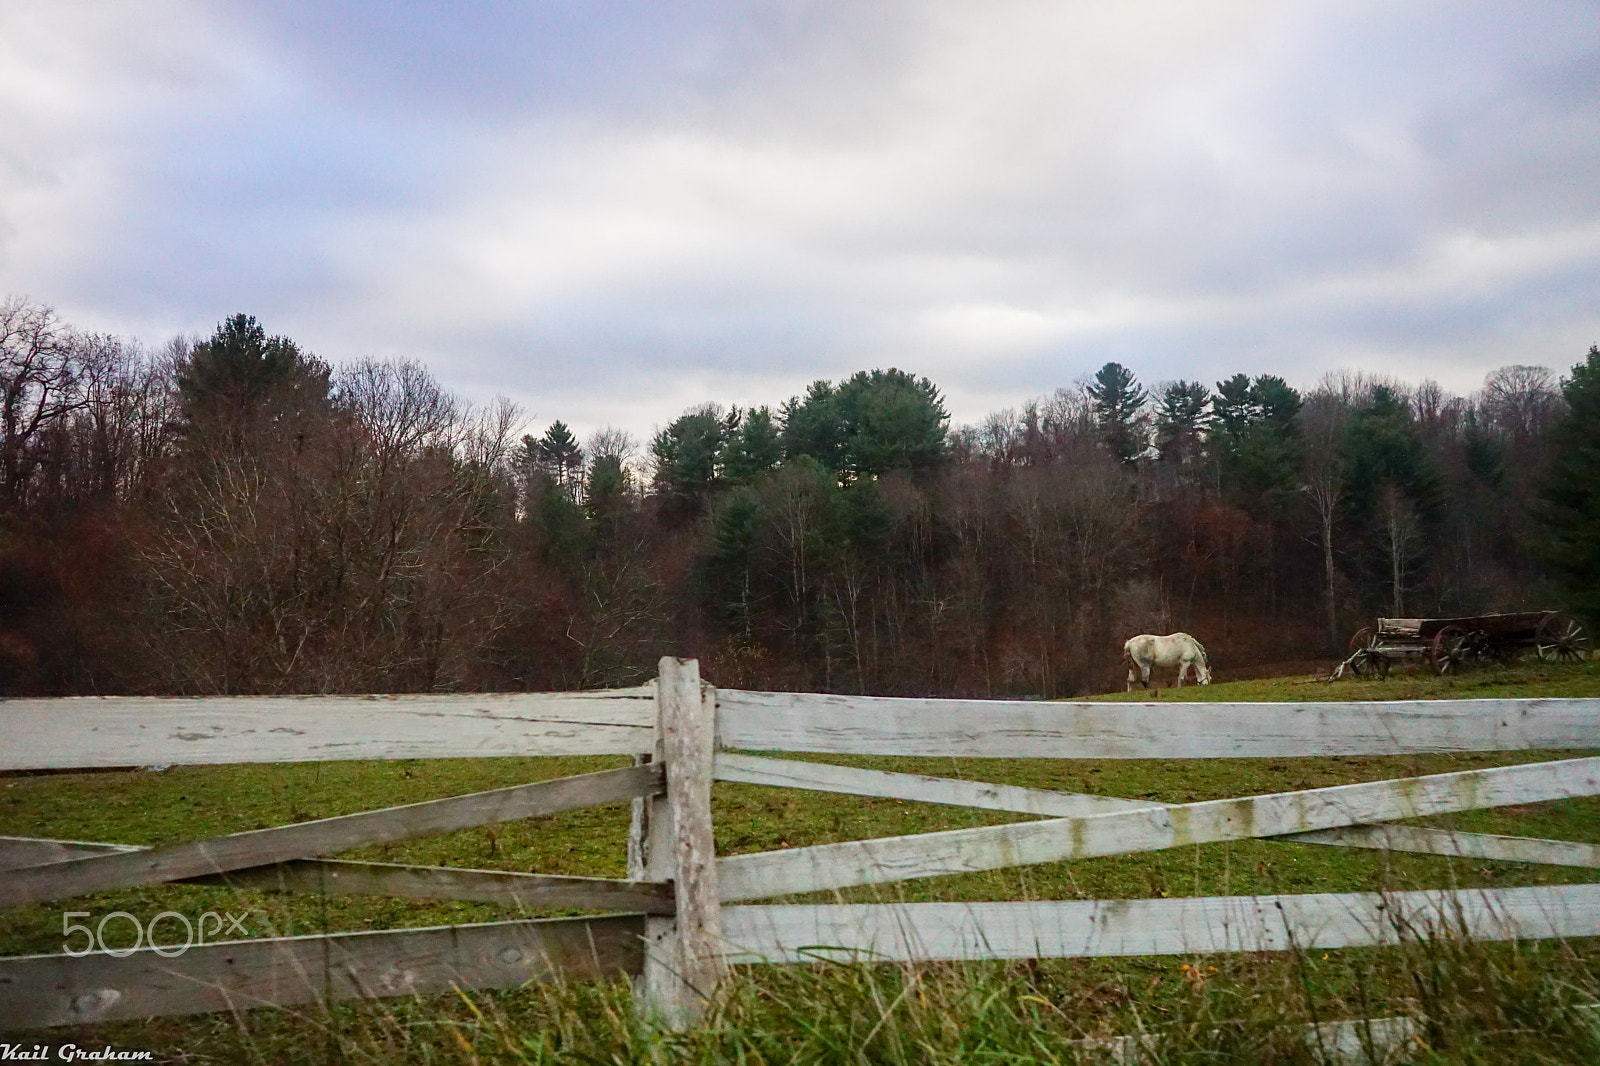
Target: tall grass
(1451,1001)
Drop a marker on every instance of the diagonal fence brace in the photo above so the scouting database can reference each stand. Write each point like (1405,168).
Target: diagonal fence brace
(884,784)
(305,840)
(903,858)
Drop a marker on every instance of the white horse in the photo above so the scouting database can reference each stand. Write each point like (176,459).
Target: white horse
(1174,649)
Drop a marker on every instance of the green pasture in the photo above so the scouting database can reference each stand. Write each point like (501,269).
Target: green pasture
(187,803)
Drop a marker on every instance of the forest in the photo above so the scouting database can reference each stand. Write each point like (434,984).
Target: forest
(232,514)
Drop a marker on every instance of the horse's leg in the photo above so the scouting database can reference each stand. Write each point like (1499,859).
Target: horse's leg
(1144,674)
(1183,668)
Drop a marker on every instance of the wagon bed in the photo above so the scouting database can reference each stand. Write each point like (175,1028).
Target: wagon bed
(1449,644)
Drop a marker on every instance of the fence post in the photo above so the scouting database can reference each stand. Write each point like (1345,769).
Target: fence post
(683,954)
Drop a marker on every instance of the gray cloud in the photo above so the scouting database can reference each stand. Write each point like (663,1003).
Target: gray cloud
(610,213)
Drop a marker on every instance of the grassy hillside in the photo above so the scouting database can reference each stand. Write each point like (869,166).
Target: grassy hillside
(1522,679)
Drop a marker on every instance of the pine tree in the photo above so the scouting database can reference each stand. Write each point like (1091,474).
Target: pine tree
(1118,401)
(688,456)
(1570,511)
(1180,421)
(754,449)
(558,452)
(1232,406)
(1255,440)
(871,423)
(240,372)
(1393,494)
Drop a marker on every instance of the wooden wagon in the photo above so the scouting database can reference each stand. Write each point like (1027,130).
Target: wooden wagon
(1448,644)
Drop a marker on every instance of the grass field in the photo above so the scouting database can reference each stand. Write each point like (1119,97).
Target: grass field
(188,803)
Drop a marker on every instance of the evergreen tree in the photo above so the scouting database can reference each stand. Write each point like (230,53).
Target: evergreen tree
(558,453)
(551,518)
(1181,421)
(1232,406)
(873,422)
(1255,440)
(1392,494)
(755,448)
(1570,511)
(688,455)
(728,572)
(812,425)
(1274,404)
(1482,452)
(892,421)
(1118,400)
(1382,447)
(240,371)
(606,489)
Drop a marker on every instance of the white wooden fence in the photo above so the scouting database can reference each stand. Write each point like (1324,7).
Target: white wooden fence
(676,937)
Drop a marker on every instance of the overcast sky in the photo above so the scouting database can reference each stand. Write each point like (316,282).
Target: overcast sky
(610,211)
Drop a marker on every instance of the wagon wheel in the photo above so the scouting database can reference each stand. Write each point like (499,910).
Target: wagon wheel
(1449,651)
(1562,638)
(1364,653)
(1504,652)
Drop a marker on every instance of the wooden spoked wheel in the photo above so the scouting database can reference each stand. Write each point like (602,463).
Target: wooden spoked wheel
(1449,650)
(1504,652)
(1561,638)
(1366,658)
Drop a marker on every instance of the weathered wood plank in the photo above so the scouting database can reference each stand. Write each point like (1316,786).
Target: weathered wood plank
(888,859)
(1341,1043)
(688,731)
(884,784)
(824,777)
(310,839)
(657,992)
(1000,729)
(16,852)
(638,832)
(88,731)
(1094,928)
(689,713)
(46,990)
(1460,845)
(385,879)
(448,882)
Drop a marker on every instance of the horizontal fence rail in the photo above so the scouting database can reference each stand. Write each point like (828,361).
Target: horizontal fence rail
(88,732)
(1003,729)
(46,990)
(903,932)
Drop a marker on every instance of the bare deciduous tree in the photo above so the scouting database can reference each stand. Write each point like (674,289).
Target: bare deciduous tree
(40,386)
(1322,419)
(1402,535)
(1521,401)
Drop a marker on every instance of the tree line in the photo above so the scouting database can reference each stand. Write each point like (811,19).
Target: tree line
(234,515)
